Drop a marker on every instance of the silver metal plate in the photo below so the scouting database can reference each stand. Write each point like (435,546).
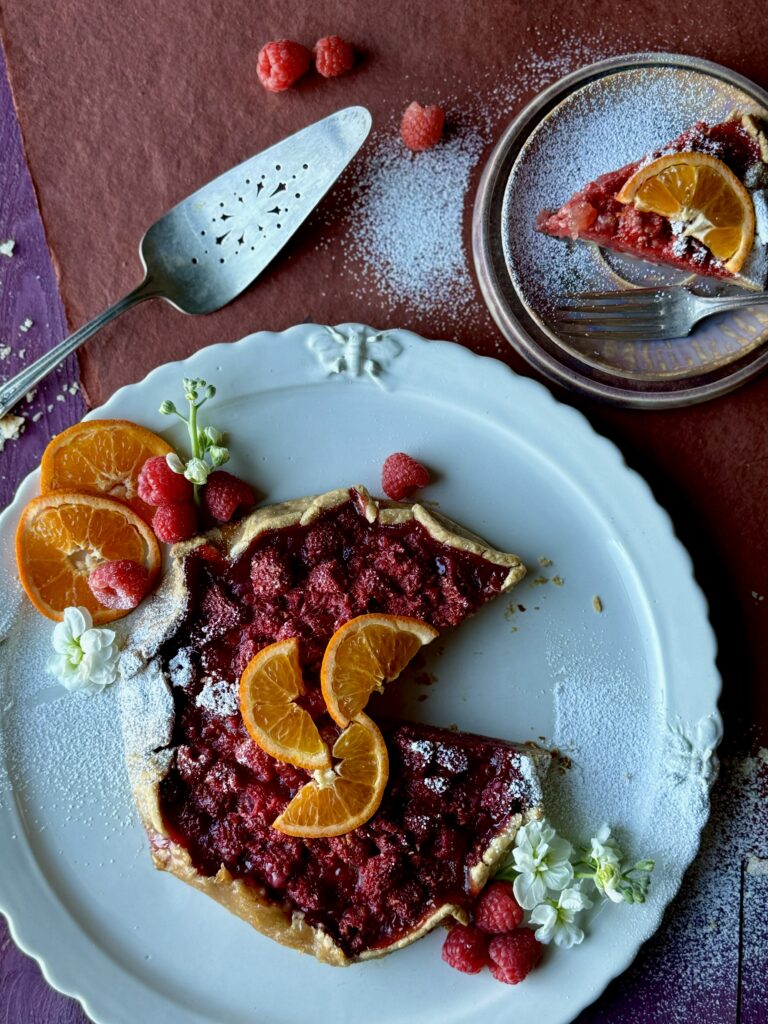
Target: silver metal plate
(590,122)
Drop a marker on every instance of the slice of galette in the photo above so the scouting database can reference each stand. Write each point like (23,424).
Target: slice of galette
(208,795)
(697,204)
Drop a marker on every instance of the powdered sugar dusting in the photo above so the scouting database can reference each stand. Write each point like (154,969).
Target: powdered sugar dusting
(219,696)
(404,237)
(604,725)
(409,208)
(63,751)
(181,668)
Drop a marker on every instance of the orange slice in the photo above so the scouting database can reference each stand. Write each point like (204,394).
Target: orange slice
(363,655)
(704,195)
(269,686)
(64,535)
(101,457)
(344,797)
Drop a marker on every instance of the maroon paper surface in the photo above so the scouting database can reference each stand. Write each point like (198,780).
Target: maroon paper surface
(128,106)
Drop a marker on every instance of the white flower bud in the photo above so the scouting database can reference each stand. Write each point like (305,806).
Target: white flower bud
(218,455)
(196,471)
(211,436)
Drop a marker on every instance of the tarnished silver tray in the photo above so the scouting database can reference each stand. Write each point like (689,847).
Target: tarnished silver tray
(589,122)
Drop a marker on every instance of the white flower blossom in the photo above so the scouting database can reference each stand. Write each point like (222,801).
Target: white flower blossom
(557,919)
(607,859)
(542,862)
(86,656)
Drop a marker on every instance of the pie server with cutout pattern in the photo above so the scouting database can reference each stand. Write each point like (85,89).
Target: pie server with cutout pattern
(210,247)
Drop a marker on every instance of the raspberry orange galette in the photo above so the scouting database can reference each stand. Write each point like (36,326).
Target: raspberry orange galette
(283,601)
(697,204)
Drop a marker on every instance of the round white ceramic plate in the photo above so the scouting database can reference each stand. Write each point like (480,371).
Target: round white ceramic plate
(629,693)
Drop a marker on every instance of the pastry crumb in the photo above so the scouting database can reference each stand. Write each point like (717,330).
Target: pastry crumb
(545,562)
(539,581)
(26,324)
(7,247)
(10,428)
(558,581)
(597,603)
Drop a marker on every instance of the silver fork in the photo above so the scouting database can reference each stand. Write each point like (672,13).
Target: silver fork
(644,314)
(212,245)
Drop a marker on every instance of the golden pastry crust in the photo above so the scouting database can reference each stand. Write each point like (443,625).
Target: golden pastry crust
(148,711)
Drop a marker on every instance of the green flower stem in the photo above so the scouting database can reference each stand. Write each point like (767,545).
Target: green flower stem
(195,440)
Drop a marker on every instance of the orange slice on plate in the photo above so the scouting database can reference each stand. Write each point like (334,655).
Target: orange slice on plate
(101,457)
(363,655)
(344,797)
(64,535)
(269,686)
(704,196)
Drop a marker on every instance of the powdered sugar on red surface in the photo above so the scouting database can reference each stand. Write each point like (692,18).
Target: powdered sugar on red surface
(220,697)
(406,234)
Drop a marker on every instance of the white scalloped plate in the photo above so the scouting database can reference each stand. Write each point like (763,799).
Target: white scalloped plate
(633,690)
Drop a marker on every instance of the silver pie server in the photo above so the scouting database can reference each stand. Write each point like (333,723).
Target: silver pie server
(207,250)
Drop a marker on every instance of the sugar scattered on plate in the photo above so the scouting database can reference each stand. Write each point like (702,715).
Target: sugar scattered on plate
(605,726)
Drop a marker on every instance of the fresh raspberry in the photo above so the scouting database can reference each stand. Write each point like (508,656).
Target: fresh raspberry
(333,56)
(513,956)
(224,494)
(159,485)
(173,523)
(401,476)
(120,585)
(466,949)
(497,911)
(421,127)
(281,63)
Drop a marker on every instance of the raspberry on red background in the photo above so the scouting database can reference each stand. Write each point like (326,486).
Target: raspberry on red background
(333,56)
(513,956)
(173,523)
(421,127)
(466,949)
(281,63)
(122,584)
(224,494)
(497,911)
(159,485)
(401,476)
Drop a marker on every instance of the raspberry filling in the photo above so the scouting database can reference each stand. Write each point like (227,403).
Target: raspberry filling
(593,214)
(448,794)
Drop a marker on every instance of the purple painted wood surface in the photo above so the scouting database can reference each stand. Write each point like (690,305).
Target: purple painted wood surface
(707,964)
(28,290)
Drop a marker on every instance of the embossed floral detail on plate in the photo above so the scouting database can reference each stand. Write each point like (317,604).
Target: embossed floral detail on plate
(691,753)
(354,352)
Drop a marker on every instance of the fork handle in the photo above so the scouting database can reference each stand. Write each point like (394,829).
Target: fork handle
(711,304)
(14,389)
